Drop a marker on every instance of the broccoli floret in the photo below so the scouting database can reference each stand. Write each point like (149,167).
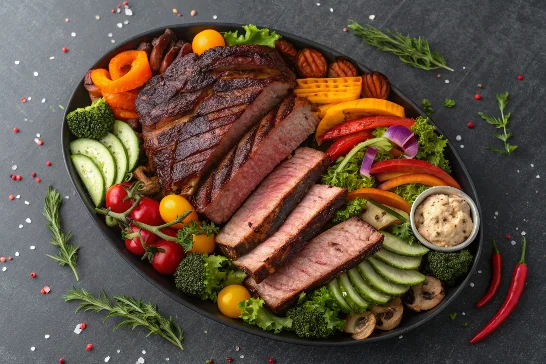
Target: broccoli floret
(203,275)
(93,121)
(254,313)
(448,267)
(318,317)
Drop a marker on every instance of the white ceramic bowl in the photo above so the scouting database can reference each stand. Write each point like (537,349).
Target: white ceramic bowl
(446,190)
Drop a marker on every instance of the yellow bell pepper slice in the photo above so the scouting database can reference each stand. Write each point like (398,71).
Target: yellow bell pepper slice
(308,91)
(331,97)
(324,108)
(313,82)
(356,109)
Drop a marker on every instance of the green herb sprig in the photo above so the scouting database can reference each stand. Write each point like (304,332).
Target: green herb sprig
(427,107)
(449,103)
(68,252)
(414,52)
(500,123)
(135,312)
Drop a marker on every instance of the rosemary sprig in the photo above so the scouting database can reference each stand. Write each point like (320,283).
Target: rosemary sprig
(427,107)
(414,52)
(135,312)
(67,251)
(501,123)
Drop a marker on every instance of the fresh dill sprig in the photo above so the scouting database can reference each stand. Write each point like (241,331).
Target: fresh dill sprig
(414,52)
(135,312)
(449,103)
(68,252)
(427,107)
(500,123)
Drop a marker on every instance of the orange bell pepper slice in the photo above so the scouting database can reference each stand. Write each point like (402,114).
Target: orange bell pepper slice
(384,197)
(123,100)
(124,115)
(137,76)
(413,166)
(424,179)
(122,63)
(382,177)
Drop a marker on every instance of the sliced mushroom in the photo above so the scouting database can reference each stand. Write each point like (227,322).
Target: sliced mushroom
(360,325)
(150,183)
(388,316)
(424,296)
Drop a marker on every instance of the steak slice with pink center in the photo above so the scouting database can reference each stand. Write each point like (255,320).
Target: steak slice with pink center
(325,257)
(303,223)
(269,205)
(268,143)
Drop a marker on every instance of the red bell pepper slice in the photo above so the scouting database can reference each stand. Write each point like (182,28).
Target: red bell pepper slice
(365,123)
(344,145)
(413,166)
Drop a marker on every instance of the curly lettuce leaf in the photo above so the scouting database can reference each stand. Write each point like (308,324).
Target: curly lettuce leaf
(410,191)
(253,35)
(216,269)
(404,232)
(352,208)
(254,313)
(350,177)
(431,145)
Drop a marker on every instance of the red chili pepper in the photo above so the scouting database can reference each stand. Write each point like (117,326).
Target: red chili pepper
(496,269)
(365,123)
(519,277)
(344,145)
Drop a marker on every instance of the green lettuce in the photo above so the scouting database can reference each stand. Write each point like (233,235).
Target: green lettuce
(252,35)
(431,145)
(254,313)
(410,191)
(353,208)
(350,177)
(404,232)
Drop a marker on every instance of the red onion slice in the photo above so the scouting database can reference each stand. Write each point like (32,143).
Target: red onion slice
(411,148)
(368,161)
(399,135)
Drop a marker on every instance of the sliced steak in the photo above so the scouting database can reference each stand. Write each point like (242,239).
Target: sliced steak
(199,109)
(269,205)
(281,131)
(303,223)
(325,257)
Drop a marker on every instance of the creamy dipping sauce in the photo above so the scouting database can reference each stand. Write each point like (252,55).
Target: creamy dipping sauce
(444,220)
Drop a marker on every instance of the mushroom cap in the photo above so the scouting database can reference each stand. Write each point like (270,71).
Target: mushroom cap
(425,296)
(361,325)
(388,316)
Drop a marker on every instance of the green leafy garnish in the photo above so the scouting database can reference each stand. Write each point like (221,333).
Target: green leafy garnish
(410,191)
(352,208)
(449,103)
(254,313)
(453,315)
(252,35)
(431,145)
(135,312)
(427,107)
(185,235)
(404,232)
(414,52)
(464,324)
(500,123)
(68,252)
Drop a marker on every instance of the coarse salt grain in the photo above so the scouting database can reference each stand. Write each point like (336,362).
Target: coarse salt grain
(32,348)
(128,12)
(241,356)
(4,269)
(140,360)
(46,336)
(400,337)
(462,146)
(513,242)
(447,81)
(28,220)
(464,314)
(193,13)
(29,98)
(538,176)
(458,138)
(14,167)
(73,34)
(67,197)
(97,17)
(78,329)
(20,227)
(35,75)
(27,203)
(523,233)
(52,57)
(118,10)
(331,10)
(32,247)
(43,100)
(119,25)
(479,272)
(113,41)
(107,359)
(16,254)
(17,62)
(110,35)
(143,351)
(496,213)
(214,17)
(126,22)
(118,351)
(372,17)
(18,196)
(532,165)
(471,284)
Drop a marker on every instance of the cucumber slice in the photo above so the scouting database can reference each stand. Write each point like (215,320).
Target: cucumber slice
(91,177)
(380,283)
(357,303)
(397,260)
(100,156)
(399,246)
(365,290)
(130,141)
(399,276)
(334,289)
(119,153)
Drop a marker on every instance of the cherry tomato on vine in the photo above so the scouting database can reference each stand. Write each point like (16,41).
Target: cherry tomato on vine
(167,261)
(135,246)
(115,198)
(147,212)
(173,206)
(203,244)
(207,39)
(229,299)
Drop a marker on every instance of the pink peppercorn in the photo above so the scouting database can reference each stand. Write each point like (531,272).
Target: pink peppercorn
(125,3)
(15,130)
(13,177)
(65,50)
(520,77)
(33,174)
(23,99)
(40,142)
(61,361)
(271,360)
(470,125)
(477,97)
(3,259)
(508,236)
(18,177)
(83,325)
(113,10)
(32,275)
(11,197)
(38,180)
(48,163)
(89,347)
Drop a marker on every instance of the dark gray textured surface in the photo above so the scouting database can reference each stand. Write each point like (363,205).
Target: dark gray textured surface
(489,42)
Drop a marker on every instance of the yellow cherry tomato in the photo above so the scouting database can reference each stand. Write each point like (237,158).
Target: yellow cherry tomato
(172,206)
(203,244)
(207,39)
(229,299)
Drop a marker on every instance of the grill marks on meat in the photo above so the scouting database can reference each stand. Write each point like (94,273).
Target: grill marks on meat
(195,112)
(259,151)
(269,205)
(325,257)
(303,223)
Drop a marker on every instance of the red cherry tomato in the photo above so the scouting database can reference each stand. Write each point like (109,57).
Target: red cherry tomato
(114,198)
(147,212)
(166,262)
(135,246)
